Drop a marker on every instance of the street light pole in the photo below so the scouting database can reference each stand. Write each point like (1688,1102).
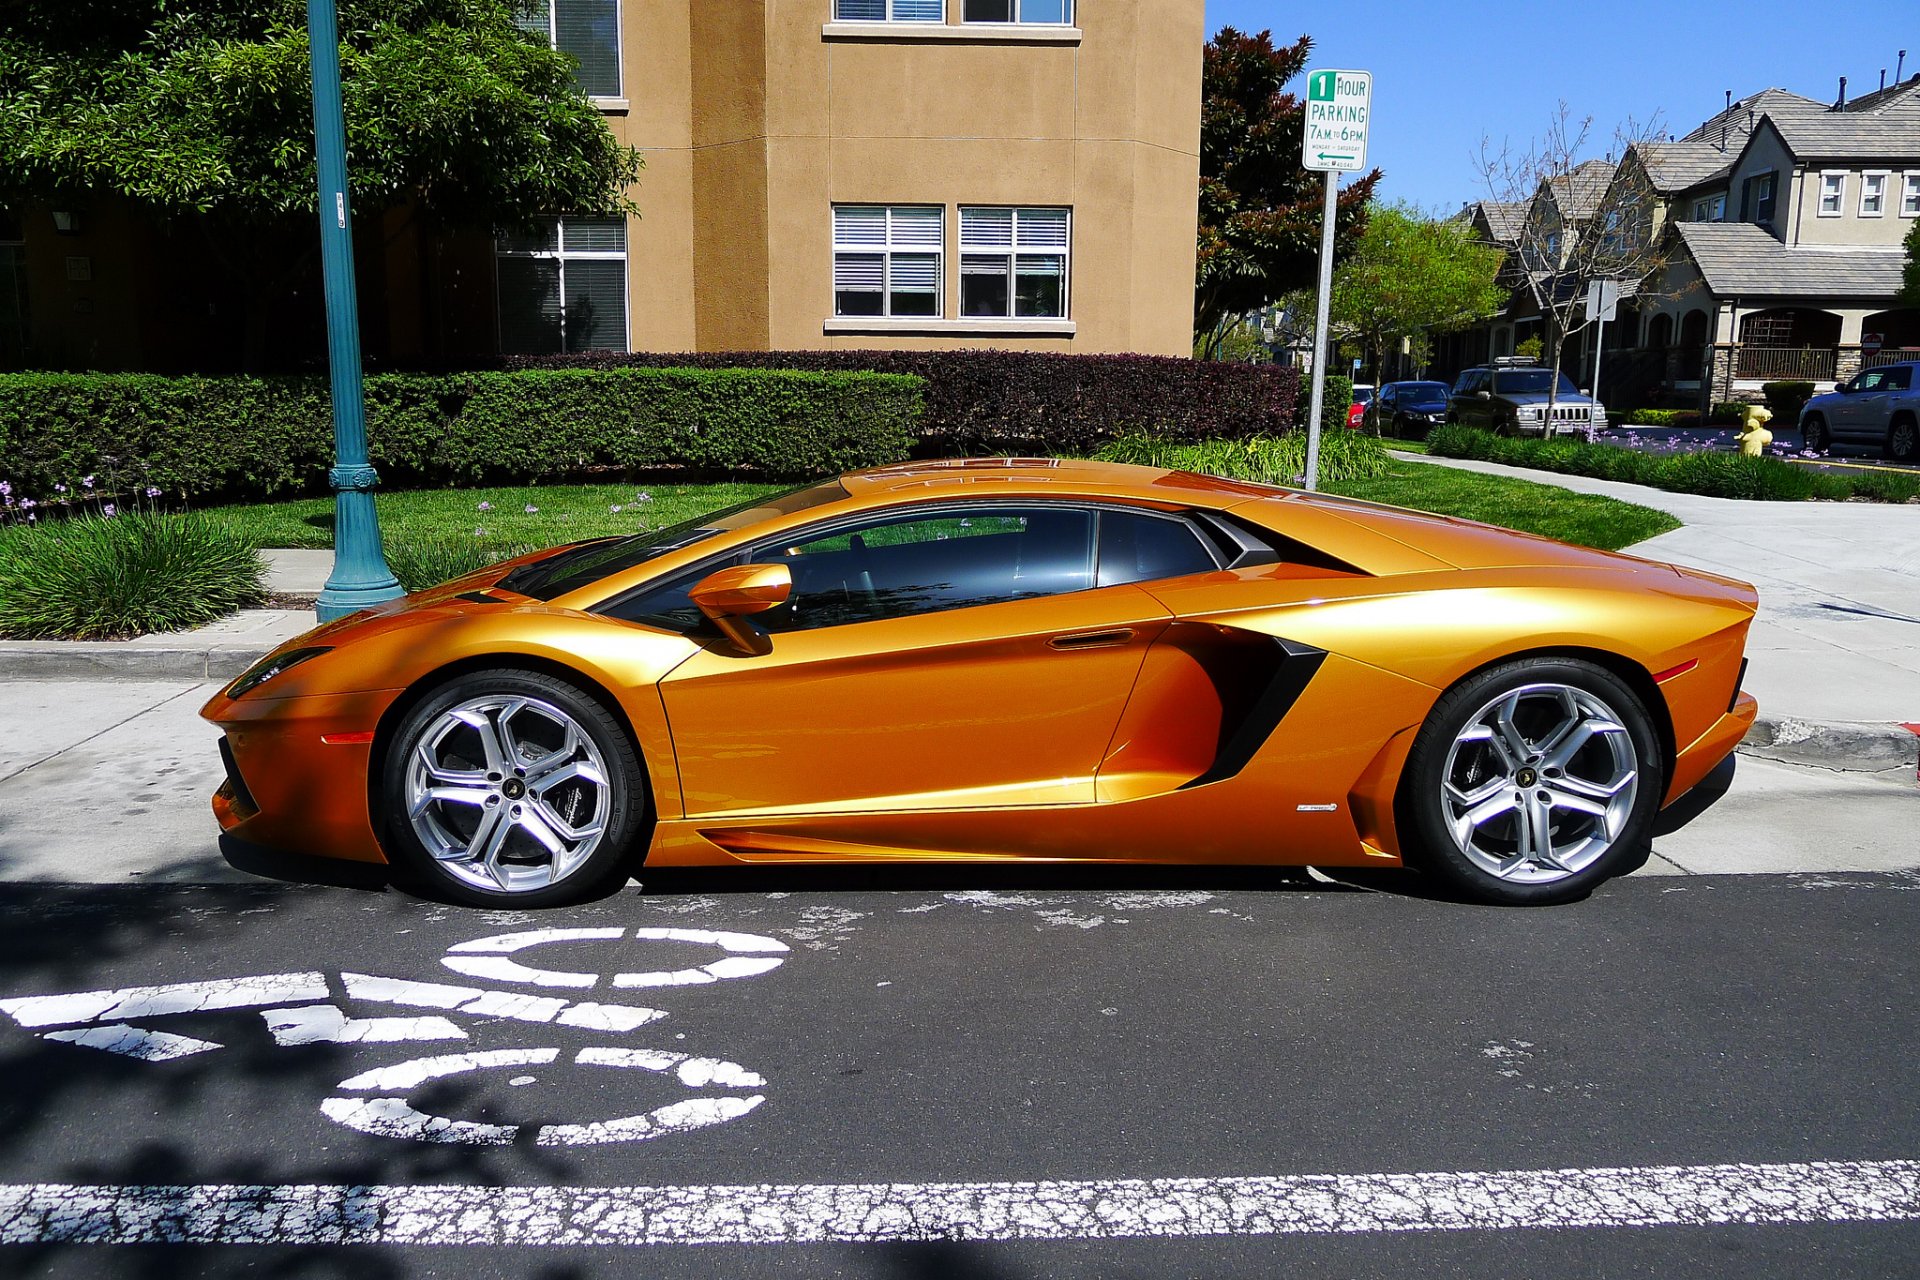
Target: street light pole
(360,574)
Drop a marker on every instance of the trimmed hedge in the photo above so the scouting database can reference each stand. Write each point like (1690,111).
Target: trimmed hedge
(1716,475)
(1282,460)
(216,437)
(1335,403)
(994,402)
(1731,413)
(1787,398)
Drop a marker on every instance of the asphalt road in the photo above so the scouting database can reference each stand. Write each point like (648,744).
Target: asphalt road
(1653,1082)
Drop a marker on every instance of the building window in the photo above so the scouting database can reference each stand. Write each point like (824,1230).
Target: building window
(1710,208)
(590,31)
(1833,190)
(1013,262)
(1057,13)
(1873,194)
(889,10)
(1756,199)
(886,259)
(1910,197)
(563,286)
(13,293)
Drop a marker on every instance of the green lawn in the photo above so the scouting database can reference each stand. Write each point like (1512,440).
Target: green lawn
(1587,519)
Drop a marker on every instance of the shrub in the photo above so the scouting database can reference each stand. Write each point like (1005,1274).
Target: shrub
(1529,349)
(1787,398)
(207,437)
(1662,418)
(1334,405)
(106,578)
(1280,460)
(1716,475)
(1729,413)
(1029,402)
(420,563)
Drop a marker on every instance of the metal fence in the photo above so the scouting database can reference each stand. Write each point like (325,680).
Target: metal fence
(1888,355)
(1809,364)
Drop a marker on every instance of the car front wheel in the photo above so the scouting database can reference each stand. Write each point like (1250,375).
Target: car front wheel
(1813,434)
(511,787)
(1532,782)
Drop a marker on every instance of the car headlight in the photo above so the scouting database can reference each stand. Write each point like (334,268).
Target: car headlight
(1528,413)
(270,666)
(1598,413)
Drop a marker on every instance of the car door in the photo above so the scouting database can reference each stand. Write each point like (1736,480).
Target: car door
(1858,414)
(948,656)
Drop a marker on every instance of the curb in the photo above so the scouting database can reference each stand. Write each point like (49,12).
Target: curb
(109,660)
(1856,748)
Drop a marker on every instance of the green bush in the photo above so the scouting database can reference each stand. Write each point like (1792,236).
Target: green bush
(1729,413)
(1661,418)
(1716,475)
(109,577)
(1282,460)
(1786,399)
(1334,404)
(197,438)
(420,563)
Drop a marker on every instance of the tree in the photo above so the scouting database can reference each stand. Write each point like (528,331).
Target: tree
(202,110)
(1409,275)
(1259,210)
(1580,225)
(1910,272)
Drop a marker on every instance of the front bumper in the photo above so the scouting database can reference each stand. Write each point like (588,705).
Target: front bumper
(298,771)
(1696,760)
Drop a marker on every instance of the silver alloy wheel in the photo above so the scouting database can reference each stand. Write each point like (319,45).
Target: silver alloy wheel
(1900,441)
(509,794)
(1540,783)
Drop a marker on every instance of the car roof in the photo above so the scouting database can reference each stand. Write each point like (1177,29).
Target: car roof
(990,477)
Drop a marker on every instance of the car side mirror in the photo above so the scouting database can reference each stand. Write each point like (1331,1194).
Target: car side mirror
(730,598)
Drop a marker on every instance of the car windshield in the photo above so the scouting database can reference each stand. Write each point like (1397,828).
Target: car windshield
(1530,382)
(1421,392)
(587,563)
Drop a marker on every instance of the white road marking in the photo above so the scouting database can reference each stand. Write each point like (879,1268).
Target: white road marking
(134,1042)
(1672,1195)
(498,1004)
(327,1024)
(394,1118)
(416,1072)
(748,954)
(608,1017)
(176,997)
(675,1117)
(492,964)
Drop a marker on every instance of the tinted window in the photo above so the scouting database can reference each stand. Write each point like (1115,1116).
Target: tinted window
(908,565)
(1530,382)
(1422,392)
(1141,548)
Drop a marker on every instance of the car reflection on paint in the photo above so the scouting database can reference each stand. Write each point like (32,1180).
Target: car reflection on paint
(1004,659)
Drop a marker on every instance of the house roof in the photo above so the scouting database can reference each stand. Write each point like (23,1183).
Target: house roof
(1504,220)
(1776,102)
(1738,259)
(1674,167)
(1890,131)
(1579,191)
(1879,98)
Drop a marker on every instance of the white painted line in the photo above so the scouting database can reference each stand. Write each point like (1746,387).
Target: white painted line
(608,1017)
(176,997)
(414,1073)
(498,1004)
(1672,1195)
(328,1024)
(134,1042)
(737,943)
(492,964)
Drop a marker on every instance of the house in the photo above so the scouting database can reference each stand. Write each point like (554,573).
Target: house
(1782,220)
(835,173)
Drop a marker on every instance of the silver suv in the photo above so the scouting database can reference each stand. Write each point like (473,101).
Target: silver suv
(1877,406)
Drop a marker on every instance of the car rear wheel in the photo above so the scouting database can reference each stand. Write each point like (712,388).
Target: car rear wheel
(1903,439)
(1533,781)
(1813,434)
(512,787)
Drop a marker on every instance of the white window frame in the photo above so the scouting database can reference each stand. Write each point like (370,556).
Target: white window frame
(1837,193)
(618,97)
(561,254)
(1018,19)
(1910,195)
(890,6)
(1013,250)
(1866,184)
(886,251)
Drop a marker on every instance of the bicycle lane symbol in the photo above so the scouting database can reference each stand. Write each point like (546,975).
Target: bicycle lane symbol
(303,1008)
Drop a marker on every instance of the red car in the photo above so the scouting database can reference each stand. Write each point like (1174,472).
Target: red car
(1362,397)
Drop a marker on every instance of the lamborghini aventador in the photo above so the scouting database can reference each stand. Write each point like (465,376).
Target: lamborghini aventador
(1004,659)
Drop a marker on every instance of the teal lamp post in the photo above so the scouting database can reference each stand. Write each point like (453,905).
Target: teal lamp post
(360,574)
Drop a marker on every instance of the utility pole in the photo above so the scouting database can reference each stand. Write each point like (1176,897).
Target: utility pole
(360,575)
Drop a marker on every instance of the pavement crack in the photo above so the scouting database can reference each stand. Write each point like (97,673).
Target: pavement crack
(55,755)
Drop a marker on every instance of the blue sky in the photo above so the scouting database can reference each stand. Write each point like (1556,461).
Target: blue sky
(1444,75)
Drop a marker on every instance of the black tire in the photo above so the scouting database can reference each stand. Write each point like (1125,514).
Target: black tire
(1903,438)
(620,807)
(1433,847)
(1814,434)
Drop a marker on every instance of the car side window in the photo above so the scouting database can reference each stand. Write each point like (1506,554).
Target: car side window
(1899,377)
(1871,380)
(1135,547)
(924,563)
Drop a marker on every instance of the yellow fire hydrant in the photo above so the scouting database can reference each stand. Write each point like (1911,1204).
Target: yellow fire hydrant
(1754,436)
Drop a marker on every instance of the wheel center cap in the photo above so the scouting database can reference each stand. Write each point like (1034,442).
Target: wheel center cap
(1526,777)
(513,788)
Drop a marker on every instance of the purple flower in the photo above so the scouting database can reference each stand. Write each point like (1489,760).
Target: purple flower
(86,481)
(485,506)
(109,511)
(28,504)
(6,489)
(532,510)
(643,496)
(153,491)
(615,508)
(59,488)
(478,532)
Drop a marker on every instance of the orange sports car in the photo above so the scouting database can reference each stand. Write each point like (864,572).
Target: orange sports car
(1004,659)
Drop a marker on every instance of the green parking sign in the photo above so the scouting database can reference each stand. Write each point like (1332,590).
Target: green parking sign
(1339,107)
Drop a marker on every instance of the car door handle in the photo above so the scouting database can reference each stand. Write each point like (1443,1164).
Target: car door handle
(1092,639)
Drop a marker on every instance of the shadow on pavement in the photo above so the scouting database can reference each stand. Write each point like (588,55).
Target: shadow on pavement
(295,868)
(1697,801)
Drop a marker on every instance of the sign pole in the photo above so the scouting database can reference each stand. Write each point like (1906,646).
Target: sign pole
(360,576)
(1333,140)
(1320,310)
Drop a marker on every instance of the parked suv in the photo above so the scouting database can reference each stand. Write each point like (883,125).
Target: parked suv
(1511,398)
(1878,406)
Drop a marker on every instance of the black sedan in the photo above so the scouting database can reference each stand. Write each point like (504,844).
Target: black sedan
(1406,409)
